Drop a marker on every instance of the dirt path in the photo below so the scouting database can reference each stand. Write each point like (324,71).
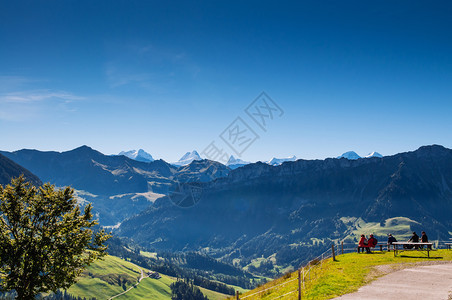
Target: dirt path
(420,282)
(136,284)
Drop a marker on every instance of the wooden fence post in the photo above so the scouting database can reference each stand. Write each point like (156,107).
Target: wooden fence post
(342,247)
(299,284)
(304,278)
(332,249)
(237,295)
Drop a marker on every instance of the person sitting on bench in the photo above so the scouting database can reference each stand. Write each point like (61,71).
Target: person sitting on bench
(391,240)
(363,244)
(413,239)
(424,239)
(372,242)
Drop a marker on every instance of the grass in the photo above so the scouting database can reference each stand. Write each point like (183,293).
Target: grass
(150,288)
(102,283)
(114,265)
(149,254)
(351,271)
(212,295)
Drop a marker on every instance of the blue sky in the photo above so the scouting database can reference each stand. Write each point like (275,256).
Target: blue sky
(170,77)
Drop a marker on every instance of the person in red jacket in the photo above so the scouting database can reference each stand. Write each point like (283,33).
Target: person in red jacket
(363,244)
(372,241)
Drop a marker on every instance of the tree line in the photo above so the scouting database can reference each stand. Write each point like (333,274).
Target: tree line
(185,290)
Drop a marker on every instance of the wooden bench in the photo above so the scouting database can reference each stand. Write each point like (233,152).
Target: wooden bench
(378,245)
(449,246)
(408,246)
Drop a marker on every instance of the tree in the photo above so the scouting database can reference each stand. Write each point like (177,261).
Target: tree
(45,239)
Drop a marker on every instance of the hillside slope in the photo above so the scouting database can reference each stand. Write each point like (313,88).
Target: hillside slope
(112,275)
(9,169)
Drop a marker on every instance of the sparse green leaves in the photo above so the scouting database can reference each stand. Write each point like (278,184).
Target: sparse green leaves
(45,239)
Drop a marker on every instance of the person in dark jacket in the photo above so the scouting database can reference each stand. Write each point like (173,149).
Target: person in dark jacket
(391,240)
(424,239)
(413,239)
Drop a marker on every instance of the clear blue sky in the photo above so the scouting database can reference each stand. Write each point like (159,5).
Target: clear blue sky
(171,76)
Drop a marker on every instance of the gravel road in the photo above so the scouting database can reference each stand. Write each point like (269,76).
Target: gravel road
(420,282)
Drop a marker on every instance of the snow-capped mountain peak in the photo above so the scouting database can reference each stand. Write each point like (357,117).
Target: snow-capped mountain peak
(351,155)
(277,161)
(187,158)
(139,155)
(235,163)
(373,154)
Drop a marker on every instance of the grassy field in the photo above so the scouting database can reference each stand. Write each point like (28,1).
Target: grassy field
(105,278)
(351,271)
(108,277)
(149,288)
(149,254)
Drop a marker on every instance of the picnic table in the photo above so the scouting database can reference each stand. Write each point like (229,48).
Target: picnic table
(409,246)
(449,246)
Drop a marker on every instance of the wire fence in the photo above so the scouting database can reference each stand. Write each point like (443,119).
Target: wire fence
(311,271)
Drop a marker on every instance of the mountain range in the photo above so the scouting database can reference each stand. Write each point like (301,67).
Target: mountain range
(285,213)
(352,155)
(277,161)
(117,186)
(233,162)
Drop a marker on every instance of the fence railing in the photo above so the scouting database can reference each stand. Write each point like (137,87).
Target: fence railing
(308,272)
(304,274)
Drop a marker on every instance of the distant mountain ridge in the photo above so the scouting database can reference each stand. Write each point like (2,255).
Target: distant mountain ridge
(233,162)
(277,161)
(352,155)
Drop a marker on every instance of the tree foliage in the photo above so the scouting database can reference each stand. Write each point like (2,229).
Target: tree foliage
(185,290)
(46,241)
